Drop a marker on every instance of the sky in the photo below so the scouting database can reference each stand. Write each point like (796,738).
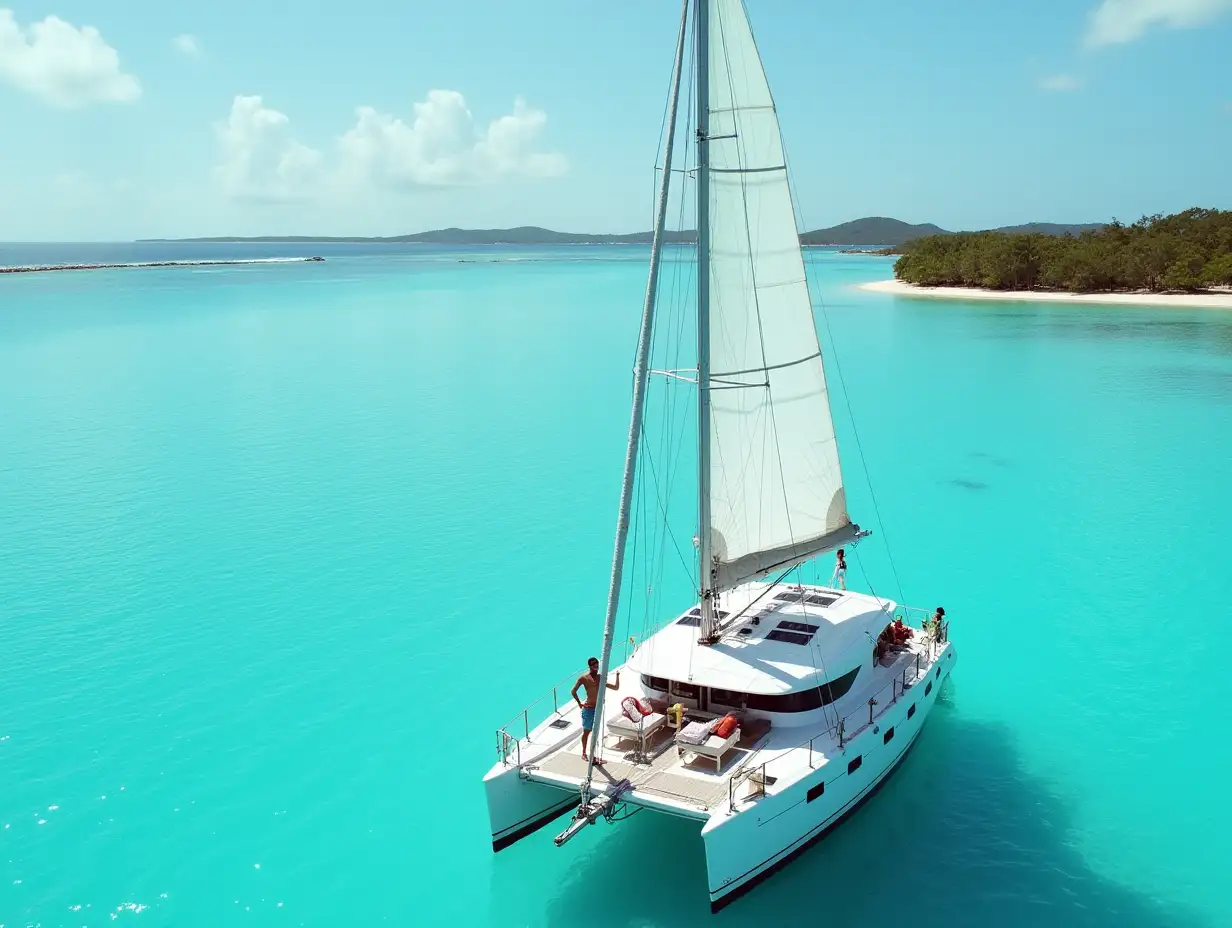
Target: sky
(148,119)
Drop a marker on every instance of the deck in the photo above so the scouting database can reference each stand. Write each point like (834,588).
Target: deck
(763,762)
(687,780)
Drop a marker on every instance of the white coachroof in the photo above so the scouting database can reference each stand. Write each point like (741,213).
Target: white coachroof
(750,662)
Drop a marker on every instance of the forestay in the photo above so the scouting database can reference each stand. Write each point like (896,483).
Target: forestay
(776,489)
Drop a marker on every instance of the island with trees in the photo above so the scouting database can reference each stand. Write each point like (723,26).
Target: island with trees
(1189,252)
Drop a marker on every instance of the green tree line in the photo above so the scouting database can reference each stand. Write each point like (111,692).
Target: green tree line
(1188,251)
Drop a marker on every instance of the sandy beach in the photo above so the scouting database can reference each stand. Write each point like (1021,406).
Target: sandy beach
(1222,300)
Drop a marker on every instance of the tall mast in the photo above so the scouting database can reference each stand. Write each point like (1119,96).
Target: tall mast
(640,373)
(701,26)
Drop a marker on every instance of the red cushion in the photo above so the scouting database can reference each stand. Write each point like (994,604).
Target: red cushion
(725,727)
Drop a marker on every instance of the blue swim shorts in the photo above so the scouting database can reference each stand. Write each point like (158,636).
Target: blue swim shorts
(588,718)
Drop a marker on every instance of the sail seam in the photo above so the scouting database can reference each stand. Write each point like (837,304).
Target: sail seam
(769,367)
(778,167)
(738,109)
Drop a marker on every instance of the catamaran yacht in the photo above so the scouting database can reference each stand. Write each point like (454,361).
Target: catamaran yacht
(769,709)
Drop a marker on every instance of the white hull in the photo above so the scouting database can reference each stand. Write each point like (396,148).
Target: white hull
(518,807)
(743,850)
(763,806)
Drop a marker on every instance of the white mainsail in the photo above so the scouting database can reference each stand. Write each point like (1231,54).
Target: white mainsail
(776,488)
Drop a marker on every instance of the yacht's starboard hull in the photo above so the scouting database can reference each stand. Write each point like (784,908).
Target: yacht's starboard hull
(745,849)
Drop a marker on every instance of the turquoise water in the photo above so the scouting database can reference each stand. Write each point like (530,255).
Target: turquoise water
(280,547)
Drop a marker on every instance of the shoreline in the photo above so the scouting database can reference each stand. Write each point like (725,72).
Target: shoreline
(205,262)
(1215,300)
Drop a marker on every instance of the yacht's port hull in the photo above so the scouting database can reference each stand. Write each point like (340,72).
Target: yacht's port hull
(518,807)
(746,848)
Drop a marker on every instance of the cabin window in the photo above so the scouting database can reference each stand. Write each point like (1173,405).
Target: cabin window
(837,689)
(804,700)
(654,683)
(855,764)
(728,698)
(684,690)
(888,736)
(928,689)
(814,792)
(911,711)
(786,702)
(938,673)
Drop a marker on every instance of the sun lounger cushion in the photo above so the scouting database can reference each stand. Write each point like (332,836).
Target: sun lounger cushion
(696,732)
(622,723)
(726,726)
(633,709)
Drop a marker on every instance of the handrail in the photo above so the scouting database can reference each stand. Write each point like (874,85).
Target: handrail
(504,735)
(898,685)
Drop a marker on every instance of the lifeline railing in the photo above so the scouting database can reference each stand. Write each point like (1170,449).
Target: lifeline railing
(509,737)
(867,715)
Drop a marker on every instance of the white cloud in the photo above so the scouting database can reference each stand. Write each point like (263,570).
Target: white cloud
(1058,83)
(259,158)
(62,64)
(440,147)
(186,45)
(1117,21)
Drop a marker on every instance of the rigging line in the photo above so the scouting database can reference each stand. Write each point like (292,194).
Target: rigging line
(814,657)
(635,430)
(639,508)
(663,510)
(681,282)
(731,620)
(838,369)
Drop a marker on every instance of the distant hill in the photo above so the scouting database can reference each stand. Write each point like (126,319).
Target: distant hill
(1051,228)
(872,230)
(521,235)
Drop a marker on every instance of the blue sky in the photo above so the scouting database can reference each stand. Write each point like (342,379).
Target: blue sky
(380,118)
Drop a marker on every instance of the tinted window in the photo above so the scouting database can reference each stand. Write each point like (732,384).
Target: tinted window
(727,697)
(888,736)
(806,699)
(814,792)
(805,627)
(928,689)
(686,690)
(855,765)
(837,689)
(911,711)
(792,637)
(787,702)
(654,683)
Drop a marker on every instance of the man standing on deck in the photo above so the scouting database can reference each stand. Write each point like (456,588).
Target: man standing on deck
(590,682)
